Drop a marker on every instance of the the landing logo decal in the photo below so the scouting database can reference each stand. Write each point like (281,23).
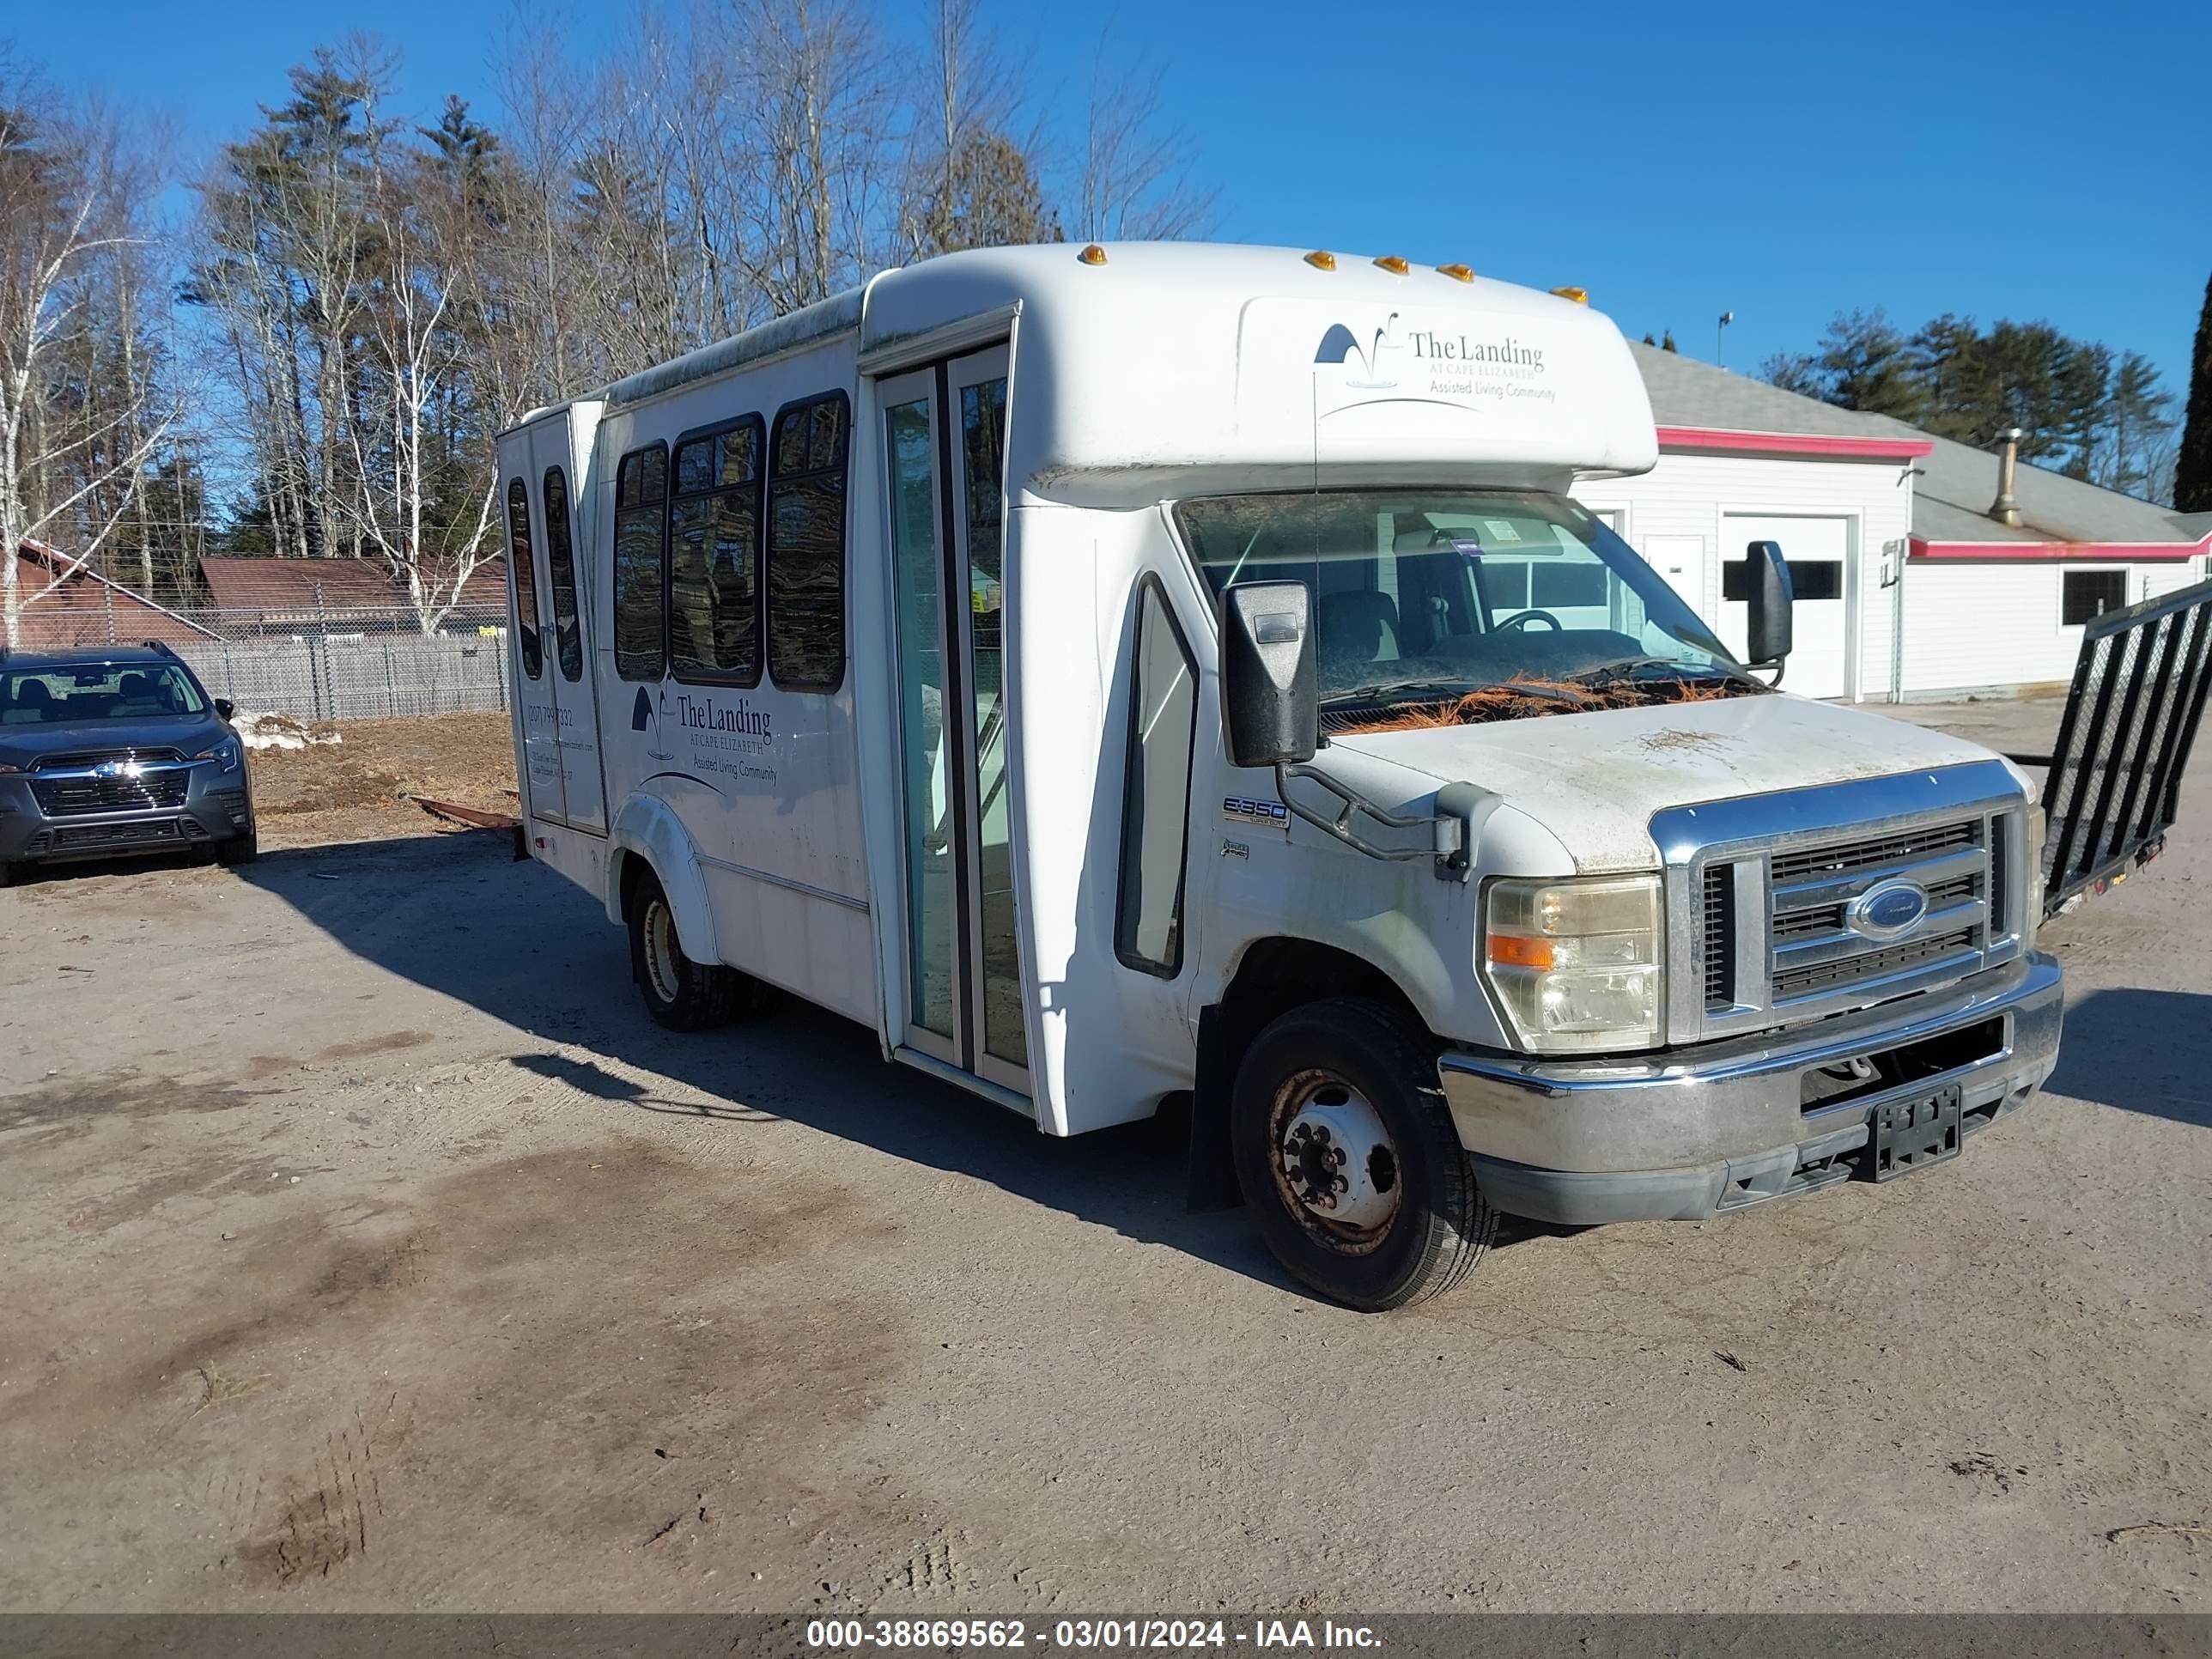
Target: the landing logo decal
(1428,364)
(1371,367)
(722,739)
(643,717)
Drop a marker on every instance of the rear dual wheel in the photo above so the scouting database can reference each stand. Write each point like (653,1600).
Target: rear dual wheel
(683,994)
(1348,1158)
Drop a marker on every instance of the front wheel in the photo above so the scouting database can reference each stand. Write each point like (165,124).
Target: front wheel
(680,993)
(1349,1159)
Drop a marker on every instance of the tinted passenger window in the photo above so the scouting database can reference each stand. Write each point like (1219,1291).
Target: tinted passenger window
(714,557)
(561,555)
(1156,808)
(640,497)
(806,546)
(521,560)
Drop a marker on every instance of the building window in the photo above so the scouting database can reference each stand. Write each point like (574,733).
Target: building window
(1809,579)
(1156,801)
(714,556)
(806,545)
(561,555)
(641,575)
(1567,584)
(2086,595)
(520,560)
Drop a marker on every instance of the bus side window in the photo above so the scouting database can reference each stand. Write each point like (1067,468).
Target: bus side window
(1156,791)
(806,545)
(562,557)
(714,556)
(640,573)
(520,560)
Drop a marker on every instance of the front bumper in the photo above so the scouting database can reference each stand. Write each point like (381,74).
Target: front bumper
(217,805)
(1726,1125)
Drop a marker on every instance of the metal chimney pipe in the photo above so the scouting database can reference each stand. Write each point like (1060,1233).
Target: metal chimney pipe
(2005,510)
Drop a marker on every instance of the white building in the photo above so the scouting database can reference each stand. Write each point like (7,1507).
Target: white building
(1907,586)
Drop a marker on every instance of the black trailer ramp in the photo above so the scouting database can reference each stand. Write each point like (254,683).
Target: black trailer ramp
(2124,741)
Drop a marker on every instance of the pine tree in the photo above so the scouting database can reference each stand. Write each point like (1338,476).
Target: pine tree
(1667,343)
(2192,474)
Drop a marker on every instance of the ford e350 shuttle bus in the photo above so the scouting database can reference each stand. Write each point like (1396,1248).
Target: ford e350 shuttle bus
(1151,671)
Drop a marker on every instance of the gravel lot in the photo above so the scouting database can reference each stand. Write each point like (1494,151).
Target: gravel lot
(366,1247)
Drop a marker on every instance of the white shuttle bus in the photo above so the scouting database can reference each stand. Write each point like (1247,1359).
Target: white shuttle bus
(1158,671)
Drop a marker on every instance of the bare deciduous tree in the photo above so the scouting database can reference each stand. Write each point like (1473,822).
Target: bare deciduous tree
(1134,179)
(77,197)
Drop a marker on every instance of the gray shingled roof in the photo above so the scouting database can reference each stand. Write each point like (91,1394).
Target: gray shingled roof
(1951,496)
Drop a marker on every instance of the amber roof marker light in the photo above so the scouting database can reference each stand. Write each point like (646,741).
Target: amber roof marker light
(1093,255)
(1579,296)
(1322,260)
(1458,273)
(1393,264)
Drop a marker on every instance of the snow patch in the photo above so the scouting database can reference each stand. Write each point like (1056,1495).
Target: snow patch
(277,732)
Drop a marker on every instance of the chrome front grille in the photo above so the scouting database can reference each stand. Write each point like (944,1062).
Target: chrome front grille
(1816,948)
(1777,925)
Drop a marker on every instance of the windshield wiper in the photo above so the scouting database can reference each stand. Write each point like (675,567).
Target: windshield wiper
(1629,668)
(1392,688)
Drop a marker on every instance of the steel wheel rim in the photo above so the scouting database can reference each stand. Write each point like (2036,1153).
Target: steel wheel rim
(1324,1134)
(662,956)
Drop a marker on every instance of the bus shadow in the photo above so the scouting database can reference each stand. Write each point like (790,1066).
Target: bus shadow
(2147,1052)
(456,915)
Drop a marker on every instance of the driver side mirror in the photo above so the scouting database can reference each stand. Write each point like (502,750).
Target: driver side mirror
(1270,707)
(1768,627)
(224,708)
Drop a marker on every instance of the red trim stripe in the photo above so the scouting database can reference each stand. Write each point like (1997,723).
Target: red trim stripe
(1793,443)
(2061,552)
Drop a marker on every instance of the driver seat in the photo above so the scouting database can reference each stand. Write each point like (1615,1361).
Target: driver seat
(1360,627)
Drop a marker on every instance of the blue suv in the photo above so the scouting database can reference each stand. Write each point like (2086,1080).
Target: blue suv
(112,752)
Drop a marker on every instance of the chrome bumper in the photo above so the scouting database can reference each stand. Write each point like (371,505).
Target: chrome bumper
(1724,1126)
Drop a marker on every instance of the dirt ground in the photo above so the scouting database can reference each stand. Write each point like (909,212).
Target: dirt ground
(356,788)
(367,1247)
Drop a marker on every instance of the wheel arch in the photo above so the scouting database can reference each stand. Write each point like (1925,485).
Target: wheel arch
(648,837)
(1273,976)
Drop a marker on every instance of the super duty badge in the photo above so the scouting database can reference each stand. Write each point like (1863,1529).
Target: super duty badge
(1273,813)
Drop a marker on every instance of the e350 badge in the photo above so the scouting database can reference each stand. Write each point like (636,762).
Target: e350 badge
(1273,813)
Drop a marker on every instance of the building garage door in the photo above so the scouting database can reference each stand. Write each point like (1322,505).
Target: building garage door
(1818,550)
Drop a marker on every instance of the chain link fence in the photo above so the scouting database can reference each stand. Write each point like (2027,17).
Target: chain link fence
(332,663)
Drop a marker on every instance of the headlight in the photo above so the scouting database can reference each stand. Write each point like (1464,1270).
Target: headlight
(1575,963)
(227,753)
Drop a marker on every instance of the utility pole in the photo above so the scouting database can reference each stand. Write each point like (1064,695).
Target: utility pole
(1720,339)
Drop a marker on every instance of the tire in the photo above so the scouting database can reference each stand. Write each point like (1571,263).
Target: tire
(239,849)
(1417,1224)
(680,993)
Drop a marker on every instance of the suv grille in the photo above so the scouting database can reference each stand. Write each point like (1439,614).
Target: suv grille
(70,762)
(150,792)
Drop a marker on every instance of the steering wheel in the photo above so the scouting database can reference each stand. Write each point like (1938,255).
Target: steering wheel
(1522,618)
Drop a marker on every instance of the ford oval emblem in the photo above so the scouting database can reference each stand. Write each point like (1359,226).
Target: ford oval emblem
(1887,909)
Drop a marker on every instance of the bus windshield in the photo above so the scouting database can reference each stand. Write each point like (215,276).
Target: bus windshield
(1420,595)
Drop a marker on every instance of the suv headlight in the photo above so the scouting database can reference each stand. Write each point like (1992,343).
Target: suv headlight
(1576,964)
(226,752)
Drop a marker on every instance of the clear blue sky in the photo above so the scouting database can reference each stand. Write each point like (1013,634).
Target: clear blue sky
(2043,160)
